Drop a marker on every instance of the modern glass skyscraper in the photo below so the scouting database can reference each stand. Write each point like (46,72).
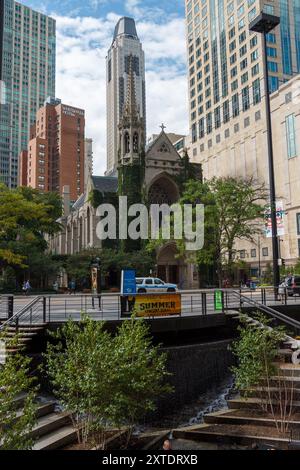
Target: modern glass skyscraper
(226,68)
(126,49)
(27,74)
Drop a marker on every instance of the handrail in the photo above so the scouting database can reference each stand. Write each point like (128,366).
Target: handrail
(269,310)
(20,313)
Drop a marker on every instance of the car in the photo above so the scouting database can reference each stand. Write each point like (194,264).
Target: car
(153,285)
(293,286)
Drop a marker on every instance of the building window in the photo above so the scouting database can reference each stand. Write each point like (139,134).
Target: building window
(243,254)
(257,115)
(291,136)
(235,105)
(245,98)
(298,223)
(273,84)
(253,253)
(256,91)
(265,252)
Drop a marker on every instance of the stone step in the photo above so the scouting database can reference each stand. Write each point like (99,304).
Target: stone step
(223,433)
(240,417)
(290,370)
(41,414)
(290,381)
(23,334)
(30,326)
(254,403)
(41,410)
(56,439)
(49,423)
(25,328)
(262,392)
(20,339)
(18,402)
(284,353)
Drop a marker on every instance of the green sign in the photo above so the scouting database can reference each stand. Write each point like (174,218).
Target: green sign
(219,300)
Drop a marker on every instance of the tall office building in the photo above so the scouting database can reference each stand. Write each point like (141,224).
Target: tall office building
(56,151)
(226,68)
(27,78)
(125,45)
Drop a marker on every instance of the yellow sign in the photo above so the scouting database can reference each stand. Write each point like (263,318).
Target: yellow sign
(158,305)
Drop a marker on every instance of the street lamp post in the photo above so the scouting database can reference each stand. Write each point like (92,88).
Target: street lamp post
(263,24)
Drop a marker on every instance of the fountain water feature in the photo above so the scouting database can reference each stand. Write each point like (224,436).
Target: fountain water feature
(214,399)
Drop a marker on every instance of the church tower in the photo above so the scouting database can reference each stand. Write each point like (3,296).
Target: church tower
(132,125)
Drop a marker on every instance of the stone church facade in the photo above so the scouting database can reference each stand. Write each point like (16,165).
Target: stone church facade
(152,175)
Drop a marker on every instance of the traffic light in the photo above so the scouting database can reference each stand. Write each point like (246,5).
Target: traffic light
(283,262)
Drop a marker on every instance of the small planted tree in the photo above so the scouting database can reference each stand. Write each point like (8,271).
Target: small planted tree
(15,426)
(256,351)
(78,366)
(140,374)
(104,381)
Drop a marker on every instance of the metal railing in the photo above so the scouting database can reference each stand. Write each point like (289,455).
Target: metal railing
(234,300)
(59,308)
(6,306)
(29,314)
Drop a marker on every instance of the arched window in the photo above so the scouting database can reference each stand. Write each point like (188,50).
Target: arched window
(88,227)
(135,142)
(127,143)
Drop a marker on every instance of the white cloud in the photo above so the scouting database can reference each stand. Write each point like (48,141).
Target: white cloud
(82,44)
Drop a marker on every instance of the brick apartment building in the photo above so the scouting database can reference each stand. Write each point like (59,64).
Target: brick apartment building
(56,151)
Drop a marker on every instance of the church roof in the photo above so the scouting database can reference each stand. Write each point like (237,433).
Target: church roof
(126,26)
(105,184)
(165,137)
(79,203)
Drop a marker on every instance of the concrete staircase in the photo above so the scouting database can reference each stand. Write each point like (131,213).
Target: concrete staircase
(247,423)
(53,430)
(17,340)
(248,420)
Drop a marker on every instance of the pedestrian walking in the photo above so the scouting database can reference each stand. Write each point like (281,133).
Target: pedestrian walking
(282,291)
(27,288)
(72,287)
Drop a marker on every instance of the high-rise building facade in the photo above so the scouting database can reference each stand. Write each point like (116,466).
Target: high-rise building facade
(126,49)
(56,150)
(226,67)
(27,78)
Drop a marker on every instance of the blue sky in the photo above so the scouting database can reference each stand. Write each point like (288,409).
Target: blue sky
(84,33)
(98,8)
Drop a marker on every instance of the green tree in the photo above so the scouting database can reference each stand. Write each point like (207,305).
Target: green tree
(14,381)
(25,217)
(105,381)
(140,374)
(78,266)
(255,350)
(234,210)
(79,366)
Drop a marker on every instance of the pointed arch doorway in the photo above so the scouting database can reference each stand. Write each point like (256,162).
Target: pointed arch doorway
(170,268)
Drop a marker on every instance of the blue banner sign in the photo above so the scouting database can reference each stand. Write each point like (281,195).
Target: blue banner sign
(128,282)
